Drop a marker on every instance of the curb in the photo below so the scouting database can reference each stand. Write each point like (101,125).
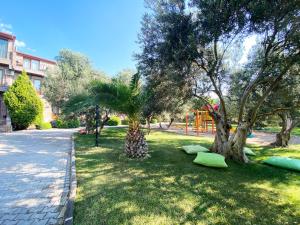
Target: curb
(68,214)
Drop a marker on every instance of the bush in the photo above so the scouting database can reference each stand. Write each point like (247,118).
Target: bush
(44,126)
(143,121)
(59,123)
(114,121)
(67,123)
(74,123)
(153,121)
(125,121)
(23,103)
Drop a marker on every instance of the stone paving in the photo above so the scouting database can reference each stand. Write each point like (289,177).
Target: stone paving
(34,176)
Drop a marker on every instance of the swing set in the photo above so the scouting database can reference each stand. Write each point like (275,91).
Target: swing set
(200,122)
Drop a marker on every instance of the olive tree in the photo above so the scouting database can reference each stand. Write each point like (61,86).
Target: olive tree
(180,35)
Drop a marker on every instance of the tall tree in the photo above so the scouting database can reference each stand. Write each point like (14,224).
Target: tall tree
(179,35)
(162,97)
(285,102)
(124,76)
(71,76)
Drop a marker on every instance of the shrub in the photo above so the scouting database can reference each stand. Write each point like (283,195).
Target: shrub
(59,123)
(23,103)
(114,121)
(143,121)
(39,118)
(67,123)
(44,126)
(125,121)
(153,120)
(73,123)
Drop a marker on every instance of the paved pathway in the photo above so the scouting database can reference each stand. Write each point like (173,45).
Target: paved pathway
(34,176)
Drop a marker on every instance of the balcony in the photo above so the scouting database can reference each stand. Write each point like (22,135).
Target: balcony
(5,61)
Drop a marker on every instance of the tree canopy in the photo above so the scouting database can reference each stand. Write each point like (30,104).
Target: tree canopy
(71,76)
(181,37)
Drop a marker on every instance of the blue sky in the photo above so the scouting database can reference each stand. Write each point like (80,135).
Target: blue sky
(104,30)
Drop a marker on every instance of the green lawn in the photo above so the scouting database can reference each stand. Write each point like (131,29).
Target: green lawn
(296,131)
(169,189)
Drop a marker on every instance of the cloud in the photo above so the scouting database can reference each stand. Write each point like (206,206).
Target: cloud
(7,28)
(20,44)
(31,49)
(248,44)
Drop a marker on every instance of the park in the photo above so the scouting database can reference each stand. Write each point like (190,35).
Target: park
(204,130)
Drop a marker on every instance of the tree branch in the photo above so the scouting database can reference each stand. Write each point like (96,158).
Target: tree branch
(273,112)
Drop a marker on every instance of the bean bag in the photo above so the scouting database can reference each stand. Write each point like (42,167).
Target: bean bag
(248,151)
(210,160)
(284,162)
(193,149)
(250,136)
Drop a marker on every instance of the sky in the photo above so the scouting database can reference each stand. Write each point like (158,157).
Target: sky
(104,30)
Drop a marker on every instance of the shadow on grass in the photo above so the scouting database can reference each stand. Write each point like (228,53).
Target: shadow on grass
(169,189)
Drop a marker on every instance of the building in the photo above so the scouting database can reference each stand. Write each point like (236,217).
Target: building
(12,63)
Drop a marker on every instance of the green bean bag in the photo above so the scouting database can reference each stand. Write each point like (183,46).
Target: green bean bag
(210,160)
(283,162)
(193,149)
(248,151)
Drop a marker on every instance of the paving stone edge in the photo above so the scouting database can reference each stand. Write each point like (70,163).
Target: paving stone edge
(69,206)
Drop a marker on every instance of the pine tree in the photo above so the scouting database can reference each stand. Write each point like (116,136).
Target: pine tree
(23,103)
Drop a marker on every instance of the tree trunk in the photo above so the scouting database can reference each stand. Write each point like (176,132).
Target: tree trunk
(160,125)
(104,121)
(148,121)
(237,143)
(89,122)
(135,143)
(220,144)
(170,124)
(232,147)
(288,123)
(283,138)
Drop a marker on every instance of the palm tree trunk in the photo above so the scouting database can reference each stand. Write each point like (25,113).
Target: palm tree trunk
(135,143)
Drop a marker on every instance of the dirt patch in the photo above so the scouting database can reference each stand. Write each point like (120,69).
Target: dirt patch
(261,138)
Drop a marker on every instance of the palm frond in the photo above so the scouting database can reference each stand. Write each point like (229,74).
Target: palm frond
(79,103)
(113,95)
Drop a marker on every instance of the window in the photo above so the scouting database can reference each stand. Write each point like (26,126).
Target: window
(37,84)
(1,76)
(3,48)
(35,65)
(26,63)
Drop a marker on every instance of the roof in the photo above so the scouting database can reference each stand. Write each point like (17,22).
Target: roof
(7,36)
(36,58)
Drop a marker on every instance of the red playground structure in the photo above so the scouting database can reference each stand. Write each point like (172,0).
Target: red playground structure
(201,122)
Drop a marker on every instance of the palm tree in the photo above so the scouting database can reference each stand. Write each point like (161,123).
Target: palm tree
(127,99)
(84,104)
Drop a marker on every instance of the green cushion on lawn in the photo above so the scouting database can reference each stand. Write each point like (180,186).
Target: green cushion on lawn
(248,151)
(283,162)
(193,149)
(210,159)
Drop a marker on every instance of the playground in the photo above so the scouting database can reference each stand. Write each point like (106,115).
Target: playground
(200,123)
(258,137)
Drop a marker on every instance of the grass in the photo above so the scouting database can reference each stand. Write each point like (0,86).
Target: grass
(274,129)
(169,189)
